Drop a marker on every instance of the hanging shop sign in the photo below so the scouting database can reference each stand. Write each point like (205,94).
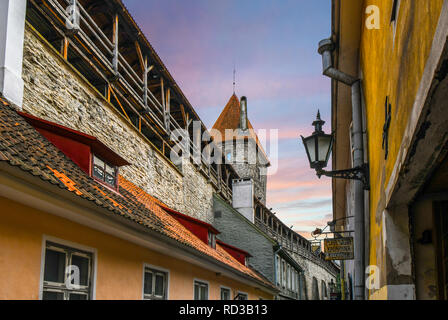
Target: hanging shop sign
(339,249)
(316,247)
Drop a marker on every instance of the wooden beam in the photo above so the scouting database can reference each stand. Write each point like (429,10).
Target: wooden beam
(145,79)
(119,103)
(184,117)
(64,50)
(163,92)
(143,62)
(115,42)
(153,86)
(167,110)
(188,122)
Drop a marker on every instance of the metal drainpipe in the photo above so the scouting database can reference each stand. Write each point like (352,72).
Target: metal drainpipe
(326,48)
(243,114)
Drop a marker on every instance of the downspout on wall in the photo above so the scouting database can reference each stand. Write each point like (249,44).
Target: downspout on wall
(326,48)
(243,114)
(12,33)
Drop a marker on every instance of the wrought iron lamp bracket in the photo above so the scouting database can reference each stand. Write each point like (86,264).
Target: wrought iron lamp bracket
(358,173)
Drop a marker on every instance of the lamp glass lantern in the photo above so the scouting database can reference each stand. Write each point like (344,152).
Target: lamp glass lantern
(318,146)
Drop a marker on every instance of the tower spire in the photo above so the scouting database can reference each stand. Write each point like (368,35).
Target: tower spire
(234,78)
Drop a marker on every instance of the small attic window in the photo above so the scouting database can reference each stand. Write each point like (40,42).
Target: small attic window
(104,172)
(212,239)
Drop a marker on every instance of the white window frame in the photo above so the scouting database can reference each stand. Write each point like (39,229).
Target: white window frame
(162,270)
(75,246)
(284,283)
(243,293)
(225,288)
(212,239)
(106,164)
(278,271)
(296,281)
(202,282)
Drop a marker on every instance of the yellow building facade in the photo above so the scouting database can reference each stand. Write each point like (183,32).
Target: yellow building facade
(118,264)
(398,50)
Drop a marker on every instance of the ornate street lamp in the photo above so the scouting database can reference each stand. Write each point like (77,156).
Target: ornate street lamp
(318,149)
(318,145)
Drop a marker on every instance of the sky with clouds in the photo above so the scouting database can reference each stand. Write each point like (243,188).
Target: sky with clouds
(273,44)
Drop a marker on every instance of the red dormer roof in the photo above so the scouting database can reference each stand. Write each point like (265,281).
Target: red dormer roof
(235,252)
(74,144)
(199,228)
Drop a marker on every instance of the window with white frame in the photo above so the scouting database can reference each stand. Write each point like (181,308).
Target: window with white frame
(104,172)
(225,294)
(241,296)
(155,284)
(324,290)
(229,157)
(284,273)
(277,263)
(200,290)
(212,239)
(291,279)
(296,280)
(67,273)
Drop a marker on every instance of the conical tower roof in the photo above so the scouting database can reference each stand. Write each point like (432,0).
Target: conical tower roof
(230,116)
(229,119)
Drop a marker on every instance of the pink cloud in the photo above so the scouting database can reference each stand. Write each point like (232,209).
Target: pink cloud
(312,194)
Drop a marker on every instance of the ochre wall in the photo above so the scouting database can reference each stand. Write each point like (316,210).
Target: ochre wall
(394,68)
(119,263)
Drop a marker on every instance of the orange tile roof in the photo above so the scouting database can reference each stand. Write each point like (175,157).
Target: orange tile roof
(178,232)
(230,119)
(23,146)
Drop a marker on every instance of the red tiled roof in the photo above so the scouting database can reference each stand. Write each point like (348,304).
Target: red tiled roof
(203,224)
(22,146)
(230,119)
(97,146)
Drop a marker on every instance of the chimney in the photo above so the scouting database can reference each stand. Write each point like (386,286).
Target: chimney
(243,114)
(12,30)
(243,197)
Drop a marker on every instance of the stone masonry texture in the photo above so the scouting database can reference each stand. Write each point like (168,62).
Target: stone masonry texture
(55,92)
(237,231)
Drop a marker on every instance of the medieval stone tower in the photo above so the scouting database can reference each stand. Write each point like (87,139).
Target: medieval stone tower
(242,148)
